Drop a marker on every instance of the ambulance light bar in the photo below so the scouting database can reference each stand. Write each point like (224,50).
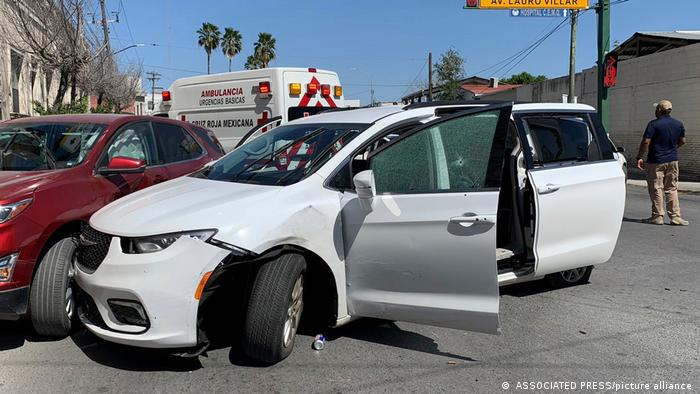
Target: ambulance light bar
(338,90)
(295,88)
(166,95)
(325,90)
(311,88)
(264,87)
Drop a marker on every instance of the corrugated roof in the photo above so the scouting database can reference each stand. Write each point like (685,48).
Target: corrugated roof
(680,34)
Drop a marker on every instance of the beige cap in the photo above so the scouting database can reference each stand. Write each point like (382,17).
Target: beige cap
(664,105)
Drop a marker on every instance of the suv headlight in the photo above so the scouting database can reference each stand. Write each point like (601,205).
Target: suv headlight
(156,243)
(7,265)
(9,211)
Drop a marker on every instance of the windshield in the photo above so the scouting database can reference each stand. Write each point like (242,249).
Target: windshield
(44,146)
(283,156)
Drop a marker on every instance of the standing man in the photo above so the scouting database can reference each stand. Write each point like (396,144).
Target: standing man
(662,138)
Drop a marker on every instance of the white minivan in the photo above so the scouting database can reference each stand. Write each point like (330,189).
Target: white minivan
(230,104)
(413,213)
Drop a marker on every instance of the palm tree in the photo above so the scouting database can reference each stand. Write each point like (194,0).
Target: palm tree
(265,49)
(252,63)
(231,44)
(209,36)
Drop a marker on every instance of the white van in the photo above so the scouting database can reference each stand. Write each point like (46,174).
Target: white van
(414,214)
(231,104)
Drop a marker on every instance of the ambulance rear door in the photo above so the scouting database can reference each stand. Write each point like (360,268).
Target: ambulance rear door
(309,92)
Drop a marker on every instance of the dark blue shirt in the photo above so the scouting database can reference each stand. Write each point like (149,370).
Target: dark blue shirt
(664,132)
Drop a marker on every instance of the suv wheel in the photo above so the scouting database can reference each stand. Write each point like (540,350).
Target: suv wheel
(570,277)
(51,298)
(274,310)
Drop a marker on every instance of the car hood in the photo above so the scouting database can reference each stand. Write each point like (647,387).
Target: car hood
(21,184)
(183,204)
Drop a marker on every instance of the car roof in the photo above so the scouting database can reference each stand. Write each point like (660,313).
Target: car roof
(360,115)
(373,114)
(79,118)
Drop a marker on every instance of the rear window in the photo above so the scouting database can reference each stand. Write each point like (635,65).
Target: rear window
(558,139)
(175,144)
(209,138)
(302,112)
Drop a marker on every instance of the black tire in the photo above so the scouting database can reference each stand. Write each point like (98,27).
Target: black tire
(48,295)
(569,277)
(270,299)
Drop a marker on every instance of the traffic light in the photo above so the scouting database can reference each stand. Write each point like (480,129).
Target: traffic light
(610,73)
(472,4)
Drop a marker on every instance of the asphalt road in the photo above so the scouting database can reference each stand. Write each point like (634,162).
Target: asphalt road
(637,321)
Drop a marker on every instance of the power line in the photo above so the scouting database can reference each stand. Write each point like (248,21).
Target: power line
(414,80)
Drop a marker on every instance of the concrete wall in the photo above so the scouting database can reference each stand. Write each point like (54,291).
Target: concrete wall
(672,75)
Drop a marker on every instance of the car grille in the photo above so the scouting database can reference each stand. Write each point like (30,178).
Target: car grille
(92,249)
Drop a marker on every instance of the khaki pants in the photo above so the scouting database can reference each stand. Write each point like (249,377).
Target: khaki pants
(662,179)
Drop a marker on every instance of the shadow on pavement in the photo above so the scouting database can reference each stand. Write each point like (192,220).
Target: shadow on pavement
(633,220)
(16,333)
(527,289)
(131,358)
(385,332)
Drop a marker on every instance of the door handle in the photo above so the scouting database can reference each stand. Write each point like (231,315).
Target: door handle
(476,219)
(548,188)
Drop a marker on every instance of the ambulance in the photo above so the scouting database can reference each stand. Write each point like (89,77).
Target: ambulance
(234,103)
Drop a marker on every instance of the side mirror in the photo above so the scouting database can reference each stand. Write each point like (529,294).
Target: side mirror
(123,165)
(364,184)
(620,149)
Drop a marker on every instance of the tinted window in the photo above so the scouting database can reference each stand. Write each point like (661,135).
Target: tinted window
(133,140)
(562,139)
(175,144)
(450,156)
(209,138)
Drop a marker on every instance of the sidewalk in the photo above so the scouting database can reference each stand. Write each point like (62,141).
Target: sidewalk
(683,187)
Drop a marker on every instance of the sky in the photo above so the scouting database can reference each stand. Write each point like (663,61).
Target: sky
(380,43)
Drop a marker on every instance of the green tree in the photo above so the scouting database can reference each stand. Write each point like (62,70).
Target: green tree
(231,44)
(265,49)
(209,37)
(252,63)
(449,71)
(524,78)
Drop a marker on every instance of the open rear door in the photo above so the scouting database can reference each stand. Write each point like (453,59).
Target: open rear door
(423,249)
(579,191)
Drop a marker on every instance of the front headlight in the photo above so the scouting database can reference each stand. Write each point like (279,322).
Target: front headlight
(9,211)
(157,243)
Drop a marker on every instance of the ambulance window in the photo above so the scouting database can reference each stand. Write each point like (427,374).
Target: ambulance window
(175,144)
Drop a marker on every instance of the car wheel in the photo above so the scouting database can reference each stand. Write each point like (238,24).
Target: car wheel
(570,277)
(274,309)
(51,298)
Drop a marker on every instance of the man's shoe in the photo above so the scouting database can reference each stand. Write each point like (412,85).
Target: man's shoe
(658,220)
(677,221)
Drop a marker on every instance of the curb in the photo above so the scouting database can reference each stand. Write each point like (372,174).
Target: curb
(683,187)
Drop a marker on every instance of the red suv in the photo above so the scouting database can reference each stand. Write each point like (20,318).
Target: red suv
(56,171)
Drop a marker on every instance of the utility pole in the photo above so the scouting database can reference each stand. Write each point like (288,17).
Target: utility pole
(603,11)
(105,26)
(153,77)
(572,57)
(430,76)
(371,94)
